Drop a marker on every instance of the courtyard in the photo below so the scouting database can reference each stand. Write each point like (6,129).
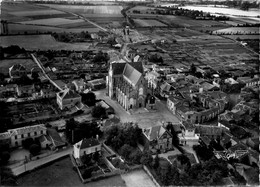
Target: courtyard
(144,119)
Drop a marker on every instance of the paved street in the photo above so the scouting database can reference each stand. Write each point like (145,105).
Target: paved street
(17,170)
(144,120)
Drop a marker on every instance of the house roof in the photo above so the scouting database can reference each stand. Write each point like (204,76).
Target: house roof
(208,130)
(68,94)
(55,137)
(132,74)
(154,132)
(238,146)
(27,129)
(4,135)
(86,143)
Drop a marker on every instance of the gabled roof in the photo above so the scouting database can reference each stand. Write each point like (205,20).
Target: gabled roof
(55,137)
(209,130)
(155,132)
(27,129)
(68,94)
(86,143)
(132,74)
(118,68)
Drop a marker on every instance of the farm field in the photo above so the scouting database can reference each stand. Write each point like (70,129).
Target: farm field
(113,9)
(52,21)
(30,29)
(238,30)
(60,173)
(243,37)
(7,63)
(16,12)
(148,23)
(41,42)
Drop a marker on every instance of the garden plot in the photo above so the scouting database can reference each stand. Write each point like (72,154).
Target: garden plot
(52,21)
(148,23)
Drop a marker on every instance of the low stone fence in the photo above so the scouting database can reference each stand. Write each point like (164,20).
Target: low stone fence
(150,175)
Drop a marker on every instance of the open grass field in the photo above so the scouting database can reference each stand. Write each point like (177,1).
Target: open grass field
(41,42)
(148,23)
(7,63)
(60,173)
(238,30)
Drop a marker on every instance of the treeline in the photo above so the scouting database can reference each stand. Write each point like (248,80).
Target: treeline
(13,50)
(72,37)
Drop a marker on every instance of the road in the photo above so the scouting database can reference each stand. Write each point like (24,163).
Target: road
(45,74)
(144,120)
(37,163)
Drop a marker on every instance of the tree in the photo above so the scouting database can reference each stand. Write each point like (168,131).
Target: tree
(87,173)
(193,68)
(96,156)
(126,150)
(35,149)
(156,162)
(89,98)
(27,143)
(5,156)
(98,111)
(146,158)
(135,156)
(69,129)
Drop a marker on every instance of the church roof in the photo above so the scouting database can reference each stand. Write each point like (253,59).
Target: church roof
(132,74)
(118,68)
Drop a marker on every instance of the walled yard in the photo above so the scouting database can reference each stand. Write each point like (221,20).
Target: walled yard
(61,173)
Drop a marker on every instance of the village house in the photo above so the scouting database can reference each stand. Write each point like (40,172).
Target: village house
(167,89)
(26,91)
(126,84)
(188,136)
(17,71)
(67,99)
(47,93)
(16,136)
(197,107)
(248,81)
(80,85)
(86,147)
(97,84)
(157,137)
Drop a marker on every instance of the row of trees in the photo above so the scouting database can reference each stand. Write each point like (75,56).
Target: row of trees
(76,131)
(72,37)
(13,50)
(183,174)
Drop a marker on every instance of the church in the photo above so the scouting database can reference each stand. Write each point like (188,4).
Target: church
(127,85)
